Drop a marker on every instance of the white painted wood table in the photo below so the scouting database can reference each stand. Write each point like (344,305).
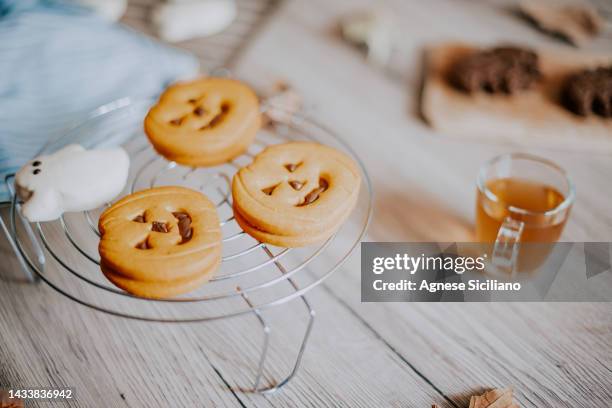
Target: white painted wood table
(360,355)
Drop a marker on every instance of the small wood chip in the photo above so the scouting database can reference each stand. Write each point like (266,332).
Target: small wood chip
(497,398)
(6,402)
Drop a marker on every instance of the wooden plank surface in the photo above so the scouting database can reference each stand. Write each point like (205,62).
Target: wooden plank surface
(50,341)
(404,355)
(554,354)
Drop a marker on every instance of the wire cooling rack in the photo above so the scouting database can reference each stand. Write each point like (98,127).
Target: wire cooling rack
(253,276)
(214,51)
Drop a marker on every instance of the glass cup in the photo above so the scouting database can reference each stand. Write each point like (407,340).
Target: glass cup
(521,199)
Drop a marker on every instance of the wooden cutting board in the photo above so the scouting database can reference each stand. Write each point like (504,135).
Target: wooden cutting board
(533,117)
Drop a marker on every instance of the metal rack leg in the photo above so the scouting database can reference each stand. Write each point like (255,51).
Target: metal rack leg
(11,235)
(266,341)
(266,329)
(24,267)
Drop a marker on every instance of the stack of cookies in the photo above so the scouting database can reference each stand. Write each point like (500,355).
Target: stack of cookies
(166,241)
(295,194)
(160,242)
(204,122)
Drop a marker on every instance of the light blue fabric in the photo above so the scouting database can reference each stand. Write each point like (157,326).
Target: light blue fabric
(58,62)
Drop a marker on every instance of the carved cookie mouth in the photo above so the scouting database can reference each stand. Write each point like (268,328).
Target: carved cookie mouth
(23,193)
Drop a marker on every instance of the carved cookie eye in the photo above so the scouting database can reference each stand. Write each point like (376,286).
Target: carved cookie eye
(139,218)
(143,245)
(269,190)
(292,167)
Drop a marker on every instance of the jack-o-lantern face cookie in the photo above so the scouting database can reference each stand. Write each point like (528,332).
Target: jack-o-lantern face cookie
(295,194)
(204,122)
(160,242)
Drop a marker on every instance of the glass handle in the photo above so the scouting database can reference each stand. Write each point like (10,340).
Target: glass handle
(505,251)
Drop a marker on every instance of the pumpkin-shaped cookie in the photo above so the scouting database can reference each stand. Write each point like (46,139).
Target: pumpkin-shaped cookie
(295,194)
(160,242)
(204,122)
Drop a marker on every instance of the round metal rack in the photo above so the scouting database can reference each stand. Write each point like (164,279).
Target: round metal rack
(253,276)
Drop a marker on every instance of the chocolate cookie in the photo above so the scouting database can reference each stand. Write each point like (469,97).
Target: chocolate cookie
(589,91)
(498,70)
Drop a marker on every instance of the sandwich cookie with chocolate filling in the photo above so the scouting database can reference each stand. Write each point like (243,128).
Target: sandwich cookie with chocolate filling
(160,242)
(295,194)
(204,122)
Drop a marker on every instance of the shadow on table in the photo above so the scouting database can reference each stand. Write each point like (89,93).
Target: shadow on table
(10,269)
(412,215)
